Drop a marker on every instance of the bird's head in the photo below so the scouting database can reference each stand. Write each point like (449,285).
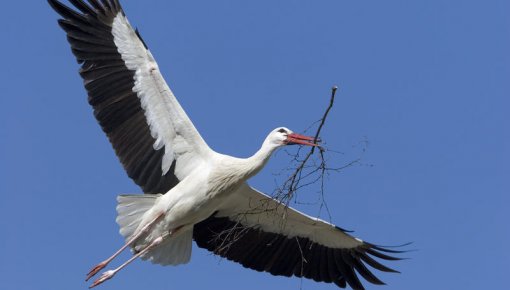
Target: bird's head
(283,136)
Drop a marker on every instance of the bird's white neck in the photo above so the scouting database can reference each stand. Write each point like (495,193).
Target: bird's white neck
(256,162)
(232,172)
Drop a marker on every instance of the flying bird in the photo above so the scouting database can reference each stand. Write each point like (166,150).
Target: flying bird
(190,191)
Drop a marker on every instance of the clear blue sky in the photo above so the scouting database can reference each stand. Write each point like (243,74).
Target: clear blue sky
(427,83)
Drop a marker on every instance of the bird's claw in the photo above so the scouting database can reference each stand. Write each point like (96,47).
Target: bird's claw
(105,276)
(96,269)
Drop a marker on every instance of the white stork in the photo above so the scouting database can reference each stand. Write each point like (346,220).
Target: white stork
(192,192)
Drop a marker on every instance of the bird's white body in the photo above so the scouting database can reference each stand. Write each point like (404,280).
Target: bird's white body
(203,192)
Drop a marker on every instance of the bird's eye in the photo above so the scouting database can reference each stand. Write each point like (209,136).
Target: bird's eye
(282,131)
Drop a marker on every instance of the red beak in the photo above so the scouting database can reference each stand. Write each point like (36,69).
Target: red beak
(295,139)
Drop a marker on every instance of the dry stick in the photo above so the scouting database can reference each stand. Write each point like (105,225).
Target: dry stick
(292,183)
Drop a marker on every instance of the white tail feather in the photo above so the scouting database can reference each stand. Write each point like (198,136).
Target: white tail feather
(130,210)
(174,250)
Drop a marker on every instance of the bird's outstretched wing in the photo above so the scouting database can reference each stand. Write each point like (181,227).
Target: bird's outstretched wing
(153,137)
(262,234)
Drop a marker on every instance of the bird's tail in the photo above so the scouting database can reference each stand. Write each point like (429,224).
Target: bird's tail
(130,211)
(174,250)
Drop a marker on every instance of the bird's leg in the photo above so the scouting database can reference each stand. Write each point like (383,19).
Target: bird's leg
(110,273)
(103,264)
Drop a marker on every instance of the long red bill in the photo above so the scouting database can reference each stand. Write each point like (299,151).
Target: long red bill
(294,139)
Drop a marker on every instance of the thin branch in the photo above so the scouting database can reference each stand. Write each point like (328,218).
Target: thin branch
(292,184)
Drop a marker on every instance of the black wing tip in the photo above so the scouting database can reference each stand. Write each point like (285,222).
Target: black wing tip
(91,7)
(379,250)
(59,7)
(66,12)
(391,246)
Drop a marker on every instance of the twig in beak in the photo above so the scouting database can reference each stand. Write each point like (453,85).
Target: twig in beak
(292,183)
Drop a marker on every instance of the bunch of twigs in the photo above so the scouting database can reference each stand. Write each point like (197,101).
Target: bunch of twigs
(293,183)
(307,170)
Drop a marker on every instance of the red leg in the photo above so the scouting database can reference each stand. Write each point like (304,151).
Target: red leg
(103,264)
(110,273)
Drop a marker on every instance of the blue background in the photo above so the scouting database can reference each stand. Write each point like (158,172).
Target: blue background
(424,83)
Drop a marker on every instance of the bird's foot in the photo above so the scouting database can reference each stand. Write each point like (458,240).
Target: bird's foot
(96,269)
(105,276)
